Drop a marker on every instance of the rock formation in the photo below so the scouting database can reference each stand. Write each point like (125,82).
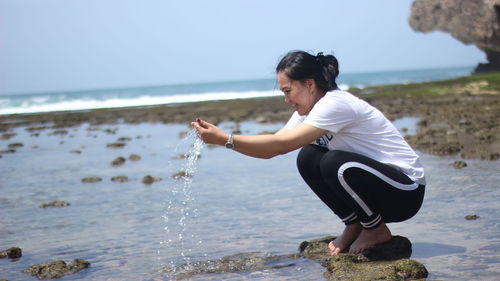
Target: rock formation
(56,269)
(387,261)
(471,22)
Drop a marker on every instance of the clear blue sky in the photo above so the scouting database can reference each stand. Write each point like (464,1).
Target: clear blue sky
(57,45)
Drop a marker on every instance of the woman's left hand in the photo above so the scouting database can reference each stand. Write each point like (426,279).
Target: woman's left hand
(209,133)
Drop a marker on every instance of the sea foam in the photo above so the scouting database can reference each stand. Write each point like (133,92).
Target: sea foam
(43,104)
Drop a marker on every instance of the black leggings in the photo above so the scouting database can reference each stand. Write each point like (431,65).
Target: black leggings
(359,189)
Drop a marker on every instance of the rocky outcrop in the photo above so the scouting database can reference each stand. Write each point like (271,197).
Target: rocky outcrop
(148,179)
(56,269)
(387,261)
(55,203)
(11,253)
(471,22)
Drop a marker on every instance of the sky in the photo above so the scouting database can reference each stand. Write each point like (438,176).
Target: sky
(61,45)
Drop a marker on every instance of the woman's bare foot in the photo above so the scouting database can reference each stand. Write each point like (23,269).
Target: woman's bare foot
(370,237)
(351,232)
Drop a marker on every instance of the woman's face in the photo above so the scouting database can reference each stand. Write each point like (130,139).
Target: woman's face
(298,94)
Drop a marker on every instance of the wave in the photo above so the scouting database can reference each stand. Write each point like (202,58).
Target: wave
(43,103)
(197,92)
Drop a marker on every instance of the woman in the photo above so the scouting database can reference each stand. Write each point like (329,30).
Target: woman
(360,166)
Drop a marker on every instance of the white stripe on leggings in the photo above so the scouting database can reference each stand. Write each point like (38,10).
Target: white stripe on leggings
(350,217)
(372,223)
(383,177)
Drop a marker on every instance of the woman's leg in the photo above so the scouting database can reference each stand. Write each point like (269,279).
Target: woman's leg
(376,192)
(308,163)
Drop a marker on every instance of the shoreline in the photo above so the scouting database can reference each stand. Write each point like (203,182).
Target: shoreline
(459,116)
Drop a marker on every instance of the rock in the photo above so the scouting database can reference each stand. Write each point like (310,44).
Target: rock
(91,179)
(120,179)
(471,22)
(494,156)
(471,217)
(58,132)
(234,263)
(55,203)
(397,248)
(116,145)
(387,261)
(7,151)
(56,269)
(7,136)
(118,161)
(134,157)
(11,253)
(181,175)
(111,131)
(39,128)
(16,145)
(354,267)
(148,179)
(459,164)
(123,139)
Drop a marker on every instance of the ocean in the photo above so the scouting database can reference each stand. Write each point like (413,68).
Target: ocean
(182,93)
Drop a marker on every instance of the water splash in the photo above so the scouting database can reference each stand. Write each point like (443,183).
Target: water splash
(179,210)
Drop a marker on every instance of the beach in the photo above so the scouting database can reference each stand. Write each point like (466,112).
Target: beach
(128,229)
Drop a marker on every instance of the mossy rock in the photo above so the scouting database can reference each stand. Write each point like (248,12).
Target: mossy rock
(11,253)
(120,179)
(118,161)
(234,263)
(134,157)
(182,175)
(471,217)
(386,261)
(16,145)
(55,203)
(116,145)
(148,179)
(398,247)
(356,267)
(91,179)
(56,269)
(59,132)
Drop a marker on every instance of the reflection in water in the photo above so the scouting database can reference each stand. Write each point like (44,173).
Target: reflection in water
(428,250)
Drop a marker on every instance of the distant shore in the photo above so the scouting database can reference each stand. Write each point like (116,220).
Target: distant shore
(459,116)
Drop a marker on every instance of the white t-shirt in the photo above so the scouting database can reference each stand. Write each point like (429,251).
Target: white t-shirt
(354,125)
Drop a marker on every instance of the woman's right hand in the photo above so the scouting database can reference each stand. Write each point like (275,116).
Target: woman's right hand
(209,133)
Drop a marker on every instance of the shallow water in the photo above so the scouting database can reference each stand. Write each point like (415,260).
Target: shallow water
(236,204)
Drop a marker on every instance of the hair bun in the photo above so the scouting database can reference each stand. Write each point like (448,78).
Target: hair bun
(301,65)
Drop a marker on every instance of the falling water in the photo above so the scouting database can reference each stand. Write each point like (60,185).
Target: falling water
(178,207)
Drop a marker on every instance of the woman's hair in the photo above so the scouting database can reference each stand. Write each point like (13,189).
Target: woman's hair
(300,65)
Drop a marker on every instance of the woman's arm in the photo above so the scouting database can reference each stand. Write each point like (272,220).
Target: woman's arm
(261,146)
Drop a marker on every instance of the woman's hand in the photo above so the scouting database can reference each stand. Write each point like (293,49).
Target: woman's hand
(209,133)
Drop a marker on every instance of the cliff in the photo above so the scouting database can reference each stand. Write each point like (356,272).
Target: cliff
(471,22)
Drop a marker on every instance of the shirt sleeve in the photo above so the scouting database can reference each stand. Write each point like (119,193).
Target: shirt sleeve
(294,120)
(332,114)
